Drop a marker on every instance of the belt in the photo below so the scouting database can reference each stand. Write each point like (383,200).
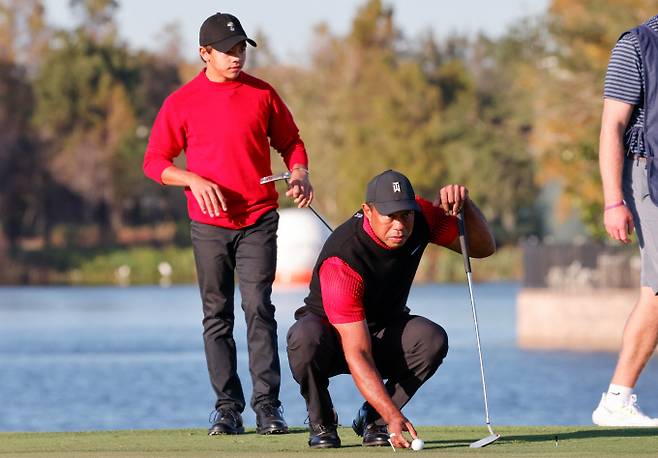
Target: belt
(639,158)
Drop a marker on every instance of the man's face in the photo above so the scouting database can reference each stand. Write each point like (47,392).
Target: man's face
(225,66)
(393,229)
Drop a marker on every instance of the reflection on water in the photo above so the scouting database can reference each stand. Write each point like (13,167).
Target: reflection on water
(124,358)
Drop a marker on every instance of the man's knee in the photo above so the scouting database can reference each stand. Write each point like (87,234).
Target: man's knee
(310,341)
(438,344)
(431,341)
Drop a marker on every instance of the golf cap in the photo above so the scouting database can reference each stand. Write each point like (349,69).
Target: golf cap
(391,192)
(222,31)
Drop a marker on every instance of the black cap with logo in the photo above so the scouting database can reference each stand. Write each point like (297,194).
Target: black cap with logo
(391,192)
(222,31)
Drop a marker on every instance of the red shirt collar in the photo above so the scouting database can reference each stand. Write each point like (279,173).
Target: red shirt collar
(368,228)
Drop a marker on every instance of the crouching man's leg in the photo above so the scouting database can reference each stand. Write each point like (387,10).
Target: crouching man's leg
(407,353)
(315,354)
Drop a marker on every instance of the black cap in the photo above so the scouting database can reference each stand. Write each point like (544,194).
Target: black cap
(222,31)
(391,192)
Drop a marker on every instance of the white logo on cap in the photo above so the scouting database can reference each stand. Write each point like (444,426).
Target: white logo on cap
(230,26)
(396,186)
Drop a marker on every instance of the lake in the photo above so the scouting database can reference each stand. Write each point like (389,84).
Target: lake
(97,358)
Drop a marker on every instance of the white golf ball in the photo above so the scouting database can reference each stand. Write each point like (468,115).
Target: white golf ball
(417,444)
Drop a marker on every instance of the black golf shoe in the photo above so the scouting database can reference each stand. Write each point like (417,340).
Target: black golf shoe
(269,419)
(323,436)
(225,421)
(374,435)
(363,417)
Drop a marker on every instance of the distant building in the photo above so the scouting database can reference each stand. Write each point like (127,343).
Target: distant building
(576,296)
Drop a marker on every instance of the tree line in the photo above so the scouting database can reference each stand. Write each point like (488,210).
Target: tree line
(506,116)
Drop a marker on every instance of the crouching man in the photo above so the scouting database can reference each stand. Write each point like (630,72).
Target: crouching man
(355,319)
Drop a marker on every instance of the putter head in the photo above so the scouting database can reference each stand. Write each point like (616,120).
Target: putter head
(278,177)
(485,441)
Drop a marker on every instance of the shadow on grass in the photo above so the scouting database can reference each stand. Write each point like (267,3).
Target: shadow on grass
(452,443)
(304,431)
(548,437)
(584,434)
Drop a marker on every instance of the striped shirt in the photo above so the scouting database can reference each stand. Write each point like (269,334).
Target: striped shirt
(624,81)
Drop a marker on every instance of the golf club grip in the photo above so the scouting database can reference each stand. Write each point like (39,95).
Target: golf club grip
(462,240)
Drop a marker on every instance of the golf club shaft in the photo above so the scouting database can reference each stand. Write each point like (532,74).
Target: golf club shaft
(285,176)
(321,218)
(314,212)
(477,339)
(467,267)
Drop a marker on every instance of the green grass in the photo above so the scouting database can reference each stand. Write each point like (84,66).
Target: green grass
(439,441)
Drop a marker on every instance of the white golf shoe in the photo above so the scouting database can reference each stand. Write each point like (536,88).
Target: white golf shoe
(628,415)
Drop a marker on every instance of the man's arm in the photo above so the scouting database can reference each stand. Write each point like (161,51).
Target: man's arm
(167,140)
(618,220)
(284,137)
(481,242)
(207,193)
(355,340)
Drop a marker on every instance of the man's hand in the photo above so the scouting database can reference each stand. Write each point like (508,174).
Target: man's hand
(207,194)
(299,187)
(395,427)
(618,223)
(451,198)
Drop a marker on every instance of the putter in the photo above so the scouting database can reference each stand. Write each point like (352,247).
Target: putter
(285,176)
(467,267)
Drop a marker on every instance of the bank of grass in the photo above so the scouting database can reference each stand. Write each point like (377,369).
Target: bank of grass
(139,266)
(444,266)
(109,265)
(143,264)
(439,441)
(438,265)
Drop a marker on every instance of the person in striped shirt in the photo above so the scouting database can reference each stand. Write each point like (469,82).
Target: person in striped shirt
(625,156)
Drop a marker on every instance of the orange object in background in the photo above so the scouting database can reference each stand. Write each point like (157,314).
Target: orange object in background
(299,240)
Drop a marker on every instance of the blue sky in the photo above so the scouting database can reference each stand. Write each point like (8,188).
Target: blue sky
(288,24)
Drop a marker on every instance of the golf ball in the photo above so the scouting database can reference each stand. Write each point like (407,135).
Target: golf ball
(417,444)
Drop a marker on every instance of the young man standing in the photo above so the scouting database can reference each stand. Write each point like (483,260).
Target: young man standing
(628,158)
(225,120)
(356,318)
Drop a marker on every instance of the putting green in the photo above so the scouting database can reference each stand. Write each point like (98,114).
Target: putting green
(439,441)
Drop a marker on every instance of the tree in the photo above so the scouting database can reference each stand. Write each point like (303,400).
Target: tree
(94,103)
(362,107)
(24,34)
(440,113)
(97,18)
(491,122)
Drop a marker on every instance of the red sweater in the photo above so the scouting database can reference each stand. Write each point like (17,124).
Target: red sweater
(342,286)
(226,130)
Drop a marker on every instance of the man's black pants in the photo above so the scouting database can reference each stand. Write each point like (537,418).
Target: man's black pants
(251,253)
(406,353)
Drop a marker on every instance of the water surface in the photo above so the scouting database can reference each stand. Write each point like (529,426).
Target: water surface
(129,358)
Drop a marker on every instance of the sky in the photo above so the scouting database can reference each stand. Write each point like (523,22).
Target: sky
(288,24)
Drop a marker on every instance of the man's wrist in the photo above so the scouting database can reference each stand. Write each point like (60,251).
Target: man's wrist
(391,413)
(620,203)
(300,167)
